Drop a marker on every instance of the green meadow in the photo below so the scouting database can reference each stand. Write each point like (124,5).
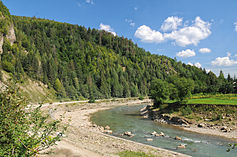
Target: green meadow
(217,99)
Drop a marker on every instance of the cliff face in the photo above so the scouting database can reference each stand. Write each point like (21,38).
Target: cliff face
(11,34)
(1,43)
(11,37)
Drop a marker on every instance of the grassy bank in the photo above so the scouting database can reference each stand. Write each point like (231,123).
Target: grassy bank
(217,99)
(133,154)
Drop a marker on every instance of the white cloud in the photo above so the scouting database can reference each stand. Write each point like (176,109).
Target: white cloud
(107,28)
(186,53)
(191,34)
(204,50)
(235,55)
(235,26)
(198,65)
(171,23)
(135,8)
(90,1)
(184,36)
(224,61)
(146,34)
(131,23)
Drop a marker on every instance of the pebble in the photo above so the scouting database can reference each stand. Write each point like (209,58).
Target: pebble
(149,139)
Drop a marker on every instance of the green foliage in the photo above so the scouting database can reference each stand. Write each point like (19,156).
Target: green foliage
(141,98)
(8,66)
(24,132)
(59,88)
(184,87)
(5,19)
(159,91)
(91,100)
(178,89)
(186,110)
(90,60)
(133,154)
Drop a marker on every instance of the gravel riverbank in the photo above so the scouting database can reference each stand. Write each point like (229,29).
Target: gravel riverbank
(84,139)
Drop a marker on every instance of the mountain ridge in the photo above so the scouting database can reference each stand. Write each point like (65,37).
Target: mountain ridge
(87,63)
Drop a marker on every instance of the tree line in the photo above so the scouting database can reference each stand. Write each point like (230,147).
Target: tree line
(82,63)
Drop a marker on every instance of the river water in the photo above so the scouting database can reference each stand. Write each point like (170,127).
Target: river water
(127,118)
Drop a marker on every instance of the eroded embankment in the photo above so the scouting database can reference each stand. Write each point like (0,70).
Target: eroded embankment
(219,120)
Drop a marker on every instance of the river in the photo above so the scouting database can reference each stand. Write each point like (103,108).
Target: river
(127,118)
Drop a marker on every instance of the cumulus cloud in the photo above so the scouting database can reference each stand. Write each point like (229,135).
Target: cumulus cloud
(171,23)
(191,34)
(198,65)
(131,23)
(235,26)
(224,61)
(187,35)
(146,34)
(90,1)
(235,55)
(107,28)
(186,53)
(204,50)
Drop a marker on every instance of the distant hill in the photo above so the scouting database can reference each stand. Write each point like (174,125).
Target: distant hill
(86,63)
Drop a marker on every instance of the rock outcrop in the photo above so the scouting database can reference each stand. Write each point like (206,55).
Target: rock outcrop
(11,34)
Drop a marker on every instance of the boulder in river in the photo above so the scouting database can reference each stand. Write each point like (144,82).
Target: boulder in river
(154,133)
(181,146)
(108,131)
(128,133)
(107,127)
(178,138)
(149,139)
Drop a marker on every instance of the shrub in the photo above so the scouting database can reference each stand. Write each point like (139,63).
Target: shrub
(186,110)
(141,98)
(24,131)
(91,101)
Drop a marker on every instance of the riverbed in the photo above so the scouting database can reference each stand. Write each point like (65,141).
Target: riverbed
(127,118)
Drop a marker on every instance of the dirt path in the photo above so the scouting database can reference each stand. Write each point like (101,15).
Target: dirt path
(84,139)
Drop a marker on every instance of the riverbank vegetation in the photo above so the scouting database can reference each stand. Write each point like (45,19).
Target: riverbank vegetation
(133,154)
(24,130)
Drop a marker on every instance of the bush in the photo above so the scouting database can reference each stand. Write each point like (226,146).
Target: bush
(24,131)
(8,66)
(141,98)
(186,110)
(91,101)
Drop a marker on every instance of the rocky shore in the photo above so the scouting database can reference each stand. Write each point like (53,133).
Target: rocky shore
(85,139)
(222,129)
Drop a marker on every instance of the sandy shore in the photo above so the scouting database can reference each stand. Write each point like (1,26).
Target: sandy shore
(83,139)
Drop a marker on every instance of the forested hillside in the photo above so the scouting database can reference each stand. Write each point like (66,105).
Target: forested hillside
(79,62)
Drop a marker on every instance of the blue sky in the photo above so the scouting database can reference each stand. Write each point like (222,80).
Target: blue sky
(202,33)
